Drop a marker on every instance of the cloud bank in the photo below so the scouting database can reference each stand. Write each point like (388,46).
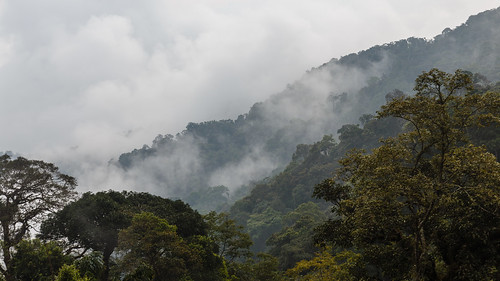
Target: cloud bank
(83,81)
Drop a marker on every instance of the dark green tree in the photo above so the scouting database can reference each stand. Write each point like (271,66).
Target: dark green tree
(91,222)
(153,242)
(36,260)
(94,220)
(188,221)
(29,191)
(424,205)
(209,265)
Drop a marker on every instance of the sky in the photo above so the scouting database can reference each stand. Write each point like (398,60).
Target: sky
(82,81)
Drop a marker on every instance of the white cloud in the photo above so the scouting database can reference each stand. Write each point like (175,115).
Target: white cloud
(255,165)
(86,80)
(104,48)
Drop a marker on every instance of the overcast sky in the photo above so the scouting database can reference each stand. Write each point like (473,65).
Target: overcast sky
(89,79)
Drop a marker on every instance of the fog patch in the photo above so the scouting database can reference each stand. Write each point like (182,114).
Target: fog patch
(166,174)
(323,98)
(254,166)
(317,104)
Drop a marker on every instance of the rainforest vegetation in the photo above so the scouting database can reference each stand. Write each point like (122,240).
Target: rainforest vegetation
(423,203)
(408,190)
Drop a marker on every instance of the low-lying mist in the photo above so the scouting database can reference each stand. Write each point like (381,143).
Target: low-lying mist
(235,153)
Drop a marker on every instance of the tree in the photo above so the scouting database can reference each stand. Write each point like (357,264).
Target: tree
(424,205)
(152,241)
(209,266)
(188,221)
(91,265)
(91,222)
(295,241)
(232,242)
(94,220)
(29,190)
(70,273)
(260,226)
(327,267)
(36,260)
(262,268)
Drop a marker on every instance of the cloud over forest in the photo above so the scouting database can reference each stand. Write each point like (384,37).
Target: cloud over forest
(82,82)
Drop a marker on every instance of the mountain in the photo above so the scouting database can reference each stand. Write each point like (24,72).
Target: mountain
(211,164)
(265,211)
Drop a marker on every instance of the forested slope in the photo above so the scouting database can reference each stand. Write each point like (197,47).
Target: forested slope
(217,158)
(374,166)
(264,210)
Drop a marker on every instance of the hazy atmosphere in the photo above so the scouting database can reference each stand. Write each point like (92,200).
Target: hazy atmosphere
(84,81)
(238,140)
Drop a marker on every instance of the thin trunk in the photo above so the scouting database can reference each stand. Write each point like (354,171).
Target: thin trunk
(7,260)
(6,252)
(417,254)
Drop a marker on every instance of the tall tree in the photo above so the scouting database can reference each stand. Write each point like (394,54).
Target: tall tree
(91,222)
(29,190)
(424,205)
(152,242)
(94,220)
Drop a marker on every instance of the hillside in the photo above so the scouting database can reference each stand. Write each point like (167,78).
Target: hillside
(222,159)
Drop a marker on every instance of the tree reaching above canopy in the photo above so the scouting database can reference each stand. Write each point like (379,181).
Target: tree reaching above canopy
(94,220)
(424,205)
(91,222)
(29,190)
(152,242)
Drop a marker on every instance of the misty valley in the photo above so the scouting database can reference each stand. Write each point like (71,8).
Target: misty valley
(378,165)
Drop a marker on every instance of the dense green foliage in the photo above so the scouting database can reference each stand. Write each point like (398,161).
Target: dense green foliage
(69,273)
(231,239)
(152,241)
(151,237)
(94,220)
(36,260)
(327,267)
(292,243)
(424,205)
(263,209)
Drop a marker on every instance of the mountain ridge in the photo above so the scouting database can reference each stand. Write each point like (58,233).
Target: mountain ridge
(235,153)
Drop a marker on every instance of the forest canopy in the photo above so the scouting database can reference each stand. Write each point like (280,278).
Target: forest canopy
(425,205)
(415,195)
